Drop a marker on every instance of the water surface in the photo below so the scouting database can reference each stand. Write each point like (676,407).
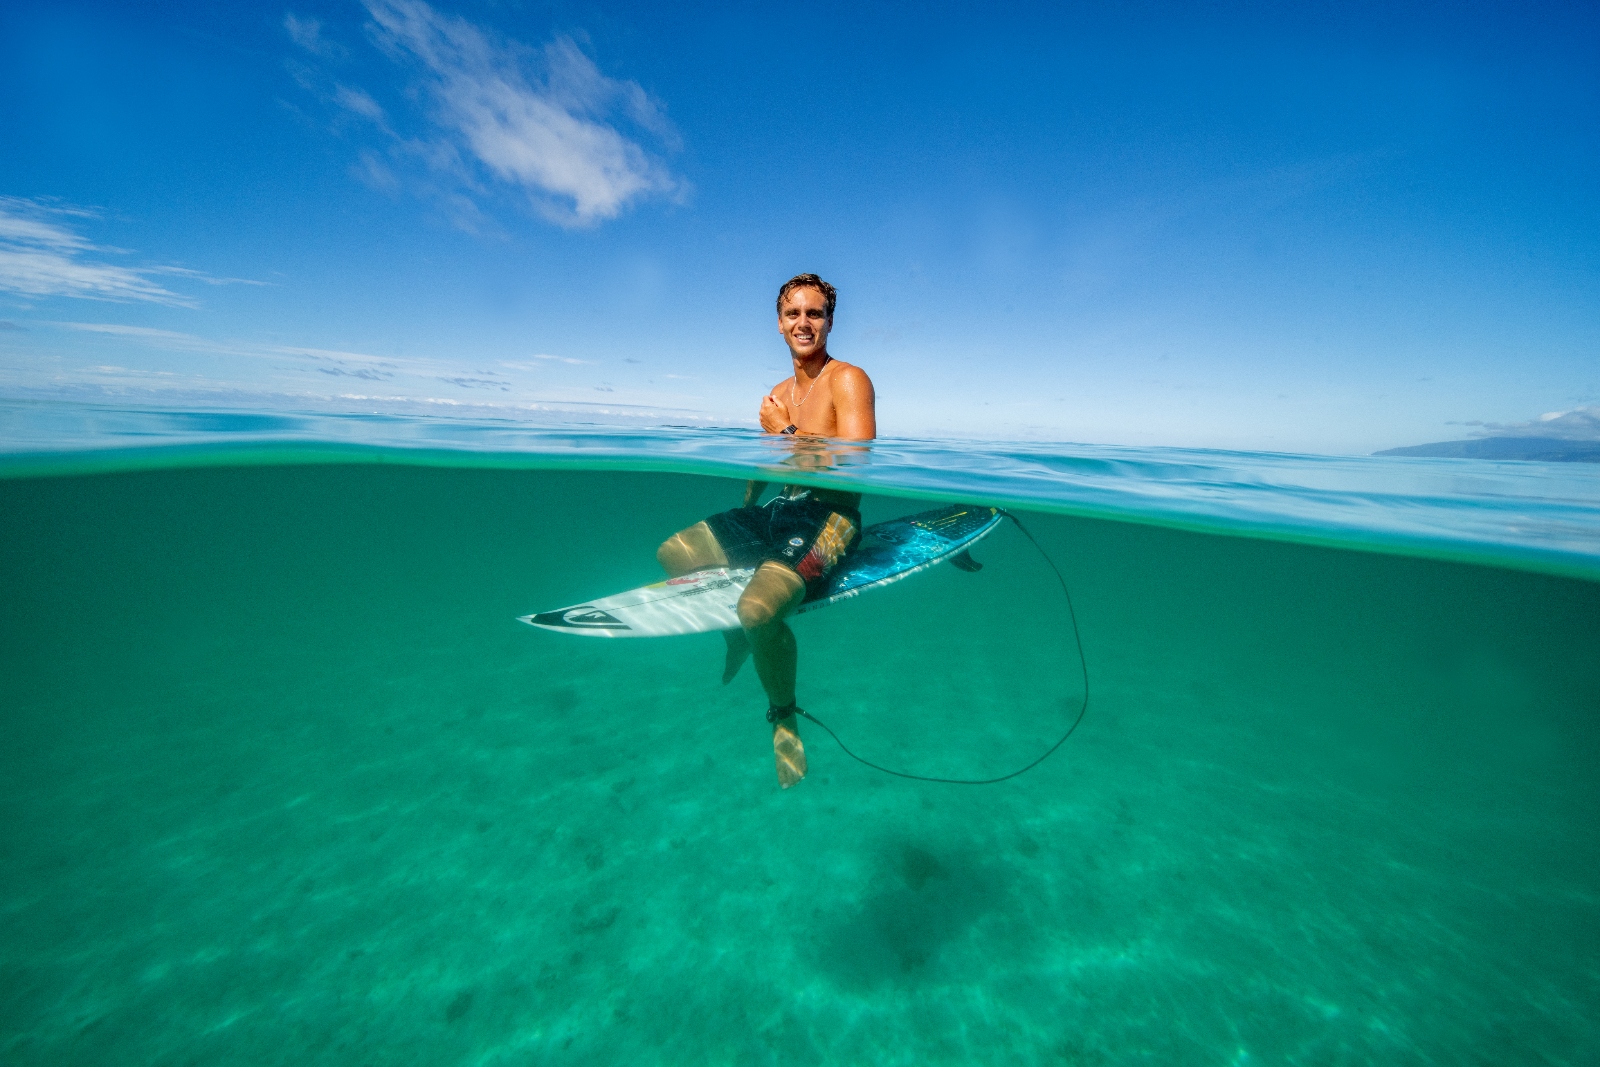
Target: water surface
(285,782)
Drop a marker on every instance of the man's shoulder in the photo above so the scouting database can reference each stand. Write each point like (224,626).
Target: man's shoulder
(849,374)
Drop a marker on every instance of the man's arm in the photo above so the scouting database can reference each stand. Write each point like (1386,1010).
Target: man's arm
(855,413)
(774,417)
(774,414)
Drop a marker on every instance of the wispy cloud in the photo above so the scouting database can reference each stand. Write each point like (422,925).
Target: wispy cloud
(41,255)
(358,101)
(330,361)
(1578,424)
(201,276)
(542,358)
(366,373)
(307,33)
(477,383)
(252,372)
(498,114)
(176,341)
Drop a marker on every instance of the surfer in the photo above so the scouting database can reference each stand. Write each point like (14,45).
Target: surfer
(799,536)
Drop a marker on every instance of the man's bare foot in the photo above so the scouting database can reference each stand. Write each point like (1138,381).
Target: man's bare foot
(790,752)
(738,652)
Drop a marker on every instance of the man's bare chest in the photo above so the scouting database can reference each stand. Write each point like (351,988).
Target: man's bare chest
(813,411)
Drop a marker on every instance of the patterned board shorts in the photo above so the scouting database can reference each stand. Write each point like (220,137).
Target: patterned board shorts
(807,535)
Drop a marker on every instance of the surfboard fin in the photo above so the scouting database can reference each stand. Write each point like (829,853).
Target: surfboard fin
(963,561)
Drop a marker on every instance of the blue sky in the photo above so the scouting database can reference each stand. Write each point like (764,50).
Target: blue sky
(1327,228)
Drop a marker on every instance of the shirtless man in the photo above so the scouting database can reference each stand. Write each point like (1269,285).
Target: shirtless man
(802,533)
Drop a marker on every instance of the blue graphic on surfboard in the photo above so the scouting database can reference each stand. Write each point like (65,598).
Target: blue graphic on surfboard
(705,600)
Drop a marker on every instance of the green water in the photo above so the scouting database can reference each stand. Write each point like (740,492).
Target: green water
(284,783)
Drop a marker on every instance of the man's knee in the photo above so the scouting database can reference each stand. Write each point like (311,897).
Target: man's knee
(768,597)
(690,550)
(755,613)
(672,554)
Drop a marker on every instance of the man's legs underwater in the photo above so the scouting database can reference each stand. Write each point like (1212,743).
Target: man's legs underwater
(774,592)
(696,549)
(687,551)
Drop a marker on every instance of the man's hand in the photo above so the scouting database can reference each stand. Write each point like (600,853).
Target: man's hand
(774,414)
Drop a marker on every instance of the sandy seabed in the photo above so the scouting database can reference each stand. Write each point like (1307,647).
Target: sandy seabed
(284,783)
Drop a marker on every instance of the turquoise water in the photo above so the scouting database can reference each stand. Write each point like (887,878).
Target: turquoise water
(284,782)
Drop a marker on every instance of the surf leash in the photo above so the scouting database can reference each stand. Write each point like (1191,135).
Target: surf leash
(1083,667)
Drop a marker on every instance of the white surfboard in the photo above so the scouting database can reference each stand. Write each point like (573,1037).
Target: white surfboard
(707,600)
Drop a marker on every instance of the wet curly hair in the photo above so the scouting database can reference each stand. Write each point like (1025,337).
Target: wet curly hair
(809,281)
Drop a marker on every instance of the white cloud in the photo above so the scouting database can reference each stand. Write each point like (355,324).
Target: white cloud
(185,341)
(356,364)
(200,276)
(375,173)
(545,357)
(174,341)
(1579,424)
(165,366)
(307,33)
(359,101)
(39,257)
(545,121)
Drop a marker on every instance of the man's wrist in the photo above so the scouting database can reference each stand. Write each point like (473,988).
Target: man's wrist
(791,428)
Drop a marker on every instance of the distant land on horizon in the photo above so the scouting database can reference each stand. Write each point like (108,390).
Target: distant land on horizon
(1541,449)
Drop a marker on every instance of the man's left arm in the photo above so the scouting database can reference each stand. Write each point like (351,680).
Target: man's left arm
(774,414)
(855,414)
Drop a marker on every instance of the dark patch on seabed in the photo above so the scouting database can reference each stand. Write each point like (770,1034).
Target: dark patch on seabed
(283,782)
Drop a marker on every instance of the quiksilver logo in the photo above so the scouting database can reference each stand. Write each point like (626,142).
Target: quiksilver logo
(581,618)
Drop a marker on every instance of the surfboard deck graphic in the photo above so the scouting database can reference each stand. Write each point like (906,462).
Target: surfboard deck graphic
(706,600)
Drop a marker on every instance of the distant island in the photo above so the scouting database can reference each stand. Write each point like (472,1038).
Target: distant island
(1541,449)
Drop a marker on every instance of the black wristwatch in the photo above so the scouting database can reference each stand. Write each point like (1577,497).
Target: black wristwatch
(791,428)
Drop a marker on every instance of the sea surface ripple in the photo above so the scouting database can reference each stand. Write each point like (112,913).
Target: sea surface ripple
(1532,516)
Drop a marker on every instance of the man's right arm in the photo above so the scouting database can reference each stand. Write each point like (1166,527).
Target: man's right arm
(752,492)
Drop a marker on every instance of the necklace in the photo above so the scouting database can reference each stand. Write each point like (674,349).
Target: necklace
(802,401)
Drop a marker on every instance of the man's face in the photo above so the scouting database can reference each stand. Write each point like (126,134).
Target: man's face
(803,321)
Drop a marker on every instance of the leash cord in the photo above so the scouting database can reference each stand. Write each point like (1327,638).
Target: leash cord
(1083,667)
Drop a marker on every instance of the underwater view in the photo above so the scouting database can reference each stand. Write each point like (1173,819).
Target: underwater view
(735,535)
(286,781)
